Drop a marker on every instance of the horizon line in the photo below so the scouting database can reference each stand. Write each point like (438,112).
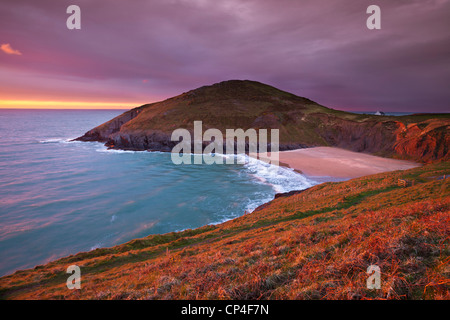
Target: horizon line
(58,104)
(102,105)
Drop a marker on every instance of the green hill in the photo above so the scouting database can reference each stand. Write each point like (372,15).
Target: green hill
(302,123)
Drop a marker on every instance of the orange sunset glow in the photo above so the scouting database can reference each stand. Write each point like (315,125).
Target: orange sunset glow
(44,104)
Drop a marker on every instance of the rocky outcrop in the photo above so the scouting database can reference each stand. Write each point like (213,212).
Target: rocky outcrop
(370,136)
(104,132)
(152,140)
(423,141)
(428,141)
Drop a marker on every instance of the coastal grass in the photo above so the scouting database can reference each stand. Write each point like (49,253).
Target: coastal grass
(314,244)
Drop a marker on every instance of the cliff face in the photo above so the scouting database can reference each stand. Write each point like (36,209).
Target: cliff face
(428,140)
(302,123)
(423,141)
(103,132)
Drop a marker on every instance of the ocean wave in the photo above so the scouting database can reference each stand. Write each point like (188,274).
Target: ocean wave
(101,243)
(106,150)
(281,179)
(253,204)
(96,246)
(56,140)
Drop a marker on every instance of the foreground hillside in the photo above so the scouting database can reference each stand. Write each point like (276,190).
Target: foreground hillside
(312,244)
(302,123)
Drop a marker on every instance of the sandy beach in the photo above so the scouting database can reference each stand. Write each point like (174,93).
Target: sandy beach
(339,163)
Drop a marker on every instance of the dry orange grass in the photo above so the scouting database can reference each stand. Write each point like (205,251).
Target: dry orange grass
(316,244)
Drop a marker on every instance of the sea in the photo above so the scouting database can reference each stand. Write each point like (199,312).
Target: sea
(59,197)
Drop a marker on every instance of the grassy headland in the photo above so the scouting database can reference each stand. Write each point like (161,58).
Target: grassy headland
(301,122)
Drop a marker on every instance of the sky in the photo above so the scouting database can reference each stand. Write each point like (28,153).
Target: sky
(128,53)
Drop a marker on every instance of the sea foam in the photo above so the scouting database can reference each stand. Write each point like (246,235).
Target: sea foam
(281,179)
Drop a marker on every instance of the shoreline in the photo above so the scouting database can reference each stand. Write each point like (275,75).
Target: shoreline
(337,164)
(307,162)
(321,163)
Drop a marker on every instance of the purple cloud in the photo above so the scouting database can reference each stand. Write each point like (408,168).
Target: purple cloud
(149,50)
